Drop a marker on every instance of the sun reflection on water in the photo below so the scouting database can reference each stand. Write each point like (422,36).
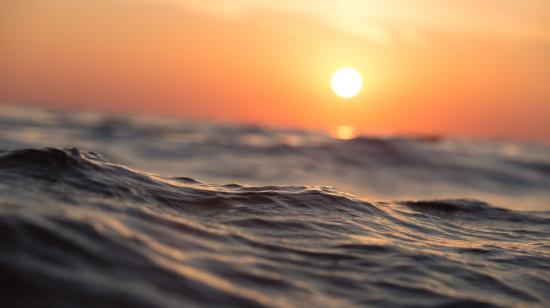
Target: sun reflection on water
(345,132)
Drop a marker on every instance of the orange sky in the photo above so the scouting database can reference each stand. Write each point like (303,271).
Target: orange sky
(467,68)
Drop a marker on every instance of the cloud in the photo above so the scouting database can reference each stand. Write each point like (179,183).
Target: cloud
(380,21)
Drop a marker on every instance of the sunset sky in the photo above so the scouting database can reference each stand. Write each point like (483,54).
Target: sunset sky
(464,67)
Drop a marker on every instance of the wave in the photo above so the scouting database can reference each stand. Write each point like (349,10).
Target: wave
(79,230)
(509,174)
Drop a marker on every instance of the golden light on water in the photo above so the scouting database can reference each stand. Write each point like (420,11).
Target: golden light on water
(345,132)
(347,82)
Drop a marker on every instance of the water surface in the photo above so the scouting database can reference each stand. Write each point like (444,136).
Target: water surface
(122,211)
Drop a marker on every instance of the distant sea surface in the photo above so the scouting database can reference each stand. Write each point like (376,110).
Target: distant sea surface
(102,210)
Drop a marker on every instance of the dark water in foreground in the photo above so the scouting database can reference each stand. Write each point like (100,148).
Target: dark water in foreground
(78,229)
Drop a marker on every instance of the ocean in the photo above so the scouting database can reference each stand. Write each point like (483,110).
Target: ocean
(108,210)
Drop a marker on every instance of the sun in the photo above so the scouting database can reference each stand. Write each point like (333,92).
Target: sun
(347,82)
